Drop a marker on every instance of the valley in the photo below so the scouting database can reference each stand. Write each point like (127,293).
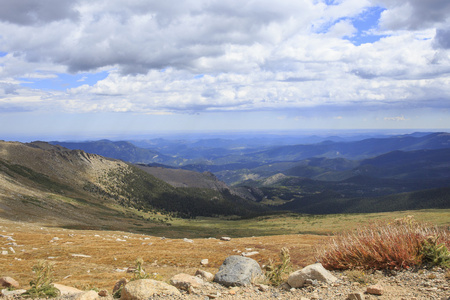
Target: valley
(93,216)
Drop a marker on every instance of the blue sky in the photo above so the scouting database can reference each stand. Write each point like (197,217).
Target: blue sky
(118,68)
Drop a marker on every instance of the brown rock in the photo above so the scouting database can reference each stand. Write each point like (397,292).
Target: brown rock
(9,282)
(185,282)
(121,283)
(233,290)
(103,293)
(375,289)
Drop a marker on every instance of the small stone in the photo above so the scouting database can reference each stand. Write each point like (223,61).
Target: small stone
(356,296)
(205,275)
(249,253)
(9,282)
(375,289)
(103,293)
(80,255)
(314,272)
(204,262)
(262,287)
(214,295)
(89,295)
(66,290)
(187,240)
(185,282)
(225,238)
(233,290)
(119,284)
(13,293)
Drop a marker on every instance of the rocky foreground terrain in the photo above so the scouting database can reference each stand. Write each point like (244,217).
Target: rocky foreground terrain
(87,260)
(407,285)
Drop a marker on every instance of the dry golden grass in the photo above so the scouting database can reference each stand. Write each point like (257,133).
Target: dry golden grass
(166,257)
(172,255)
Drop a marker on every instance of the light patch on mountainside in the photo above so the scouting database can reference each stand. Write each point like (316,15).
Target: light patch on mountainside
(273,179)
(251,176)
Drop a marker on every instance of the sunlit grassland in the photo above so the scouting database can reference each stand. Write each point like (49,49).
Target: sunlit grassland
(288,223)
(141,235)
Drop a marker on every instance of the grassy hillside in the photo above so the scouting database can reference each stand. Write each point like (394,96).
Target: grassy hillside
(330,202)
(40,181)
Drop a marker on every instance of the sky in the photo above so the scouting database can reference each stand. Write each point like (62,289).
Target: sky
(92,69)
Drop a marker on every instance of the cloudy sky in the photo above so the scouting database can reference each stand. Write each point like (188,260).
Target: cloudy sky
(88,68)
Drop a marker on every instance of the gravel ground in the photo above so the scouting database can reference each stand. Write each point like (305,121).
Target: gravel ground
(402,285)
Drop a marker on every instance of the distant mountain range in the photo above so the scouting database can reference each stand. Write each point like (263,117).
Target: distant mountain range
(222,177)
(219,154)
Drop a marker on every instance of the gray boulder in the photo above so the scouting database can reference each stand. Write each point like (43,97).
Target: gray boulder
(311,272)
(238,271)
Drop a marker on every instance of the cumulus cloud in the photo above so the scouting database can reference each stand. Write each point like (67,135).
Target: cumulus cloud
(442,38)
(30,12)
(210,55)
(413,14)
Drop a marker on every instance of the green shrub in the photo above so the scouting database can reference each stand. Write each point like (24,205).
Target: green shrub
(435,253)
(139,272)
(42,286)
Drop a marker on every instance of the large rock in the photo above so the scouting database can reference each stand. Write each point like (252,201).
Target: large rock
(311,272)
(185,282)
(146,288)
(237,271)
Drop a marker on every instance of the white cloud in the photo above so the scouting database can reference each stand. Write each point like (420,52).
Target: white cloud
(413,14)
(251,55)
(398,118)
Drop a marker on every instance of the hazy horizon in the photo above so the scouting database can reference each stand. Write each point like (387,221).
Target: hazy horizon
(225,134)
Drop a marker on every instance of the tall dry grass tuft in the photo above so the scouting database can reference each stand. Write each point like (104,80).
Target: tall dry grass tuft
(276,274)
(401,244)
